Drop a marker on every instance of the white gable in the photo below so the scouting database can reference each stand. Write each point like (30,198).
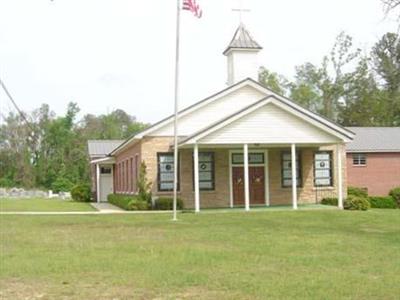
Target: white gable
(269,124)
(212,112)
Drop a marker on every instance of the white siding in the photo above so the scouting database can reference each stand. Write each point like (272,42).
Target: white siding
(242,64)
(208,114)
(268,124)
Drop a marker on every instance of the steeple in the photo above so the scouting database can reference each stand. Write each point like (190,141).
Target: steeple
(241,54)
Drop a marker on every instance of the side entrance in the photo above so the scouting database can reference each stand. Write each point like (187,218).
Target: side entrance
(106,182)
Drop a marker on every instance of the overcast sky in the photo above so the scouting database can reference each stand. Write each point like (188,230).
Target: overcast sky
(108,54)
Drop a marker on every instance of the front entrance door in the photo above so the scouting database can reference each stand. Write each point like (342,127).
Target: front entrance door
(256,185)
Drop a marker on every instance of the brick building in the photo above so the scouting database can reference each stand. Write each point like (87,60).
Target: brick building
(242,146)
(373,159)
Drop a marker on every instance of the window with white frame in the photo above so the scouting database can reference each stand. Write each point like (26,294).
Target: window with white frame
(323,168)
(206,171)
(166,172)
(254,158)
(359,159)
(287,169)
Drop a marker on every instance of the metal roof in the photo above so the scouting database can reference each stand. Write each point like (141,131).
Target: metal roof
(242,40)
(375,139)
(100,148)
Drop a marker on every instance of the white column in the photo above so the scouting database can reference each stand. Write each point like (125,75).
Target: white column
(294,177)
(196,179)
(266,175)
(98,182)
(246,177)
(230,181)
(340,178)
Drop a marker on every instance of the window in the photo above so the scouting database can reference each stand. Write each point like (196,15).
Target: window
(359,159)
(131,175)
(287,169)
(166,172)
(323,169)
(206,171)
(254,158)
(105,170)
(136,170)
(126,175)
(123,176)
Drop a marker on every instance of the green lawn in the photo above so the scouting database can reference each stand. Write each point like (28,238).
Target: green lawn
(42,204)
(327,254)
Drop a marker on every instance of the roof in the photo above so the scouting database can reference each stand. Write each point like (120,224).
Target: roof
(375,139)
(247,81)
(201,133)
(100,148)
(242,40)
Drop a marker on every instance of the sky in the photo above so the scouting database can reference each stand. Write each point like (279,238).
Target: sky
(109,54)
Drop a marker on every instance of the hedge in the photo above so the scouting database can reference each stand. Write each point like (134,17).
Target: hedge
(382,202)
(355,191)
(395,193)
(356,203)
(165,203)
(330,201)
(128,202)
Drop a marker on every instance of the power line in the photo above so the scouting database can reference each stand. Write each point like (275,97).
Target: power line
(15,105)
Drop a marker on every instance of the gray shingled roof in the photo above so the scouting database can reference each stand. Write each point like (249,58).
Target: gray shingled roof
(375,139)
(242,40)
(100,148)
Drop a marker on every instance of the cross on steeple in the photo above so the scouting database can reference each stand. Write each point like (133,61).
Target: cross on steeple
(240,10)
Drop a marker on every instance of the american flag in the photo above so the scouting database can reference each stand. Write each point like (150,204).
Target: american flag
(192,6)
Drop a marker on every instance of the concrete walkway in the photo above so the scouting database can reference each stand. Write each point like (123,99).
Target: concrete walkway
(105,207)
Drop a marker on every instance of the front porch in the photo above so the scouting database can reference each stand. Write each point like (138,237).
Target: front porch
(256,176)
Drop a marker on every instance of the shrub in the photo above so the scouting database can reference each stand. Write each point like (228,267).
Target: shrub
(166,203)
(355,191)
(62,184)
(128,202)
(330,201)
(395,193)
(143,185)
(81,193)
(382,202)
(356,203)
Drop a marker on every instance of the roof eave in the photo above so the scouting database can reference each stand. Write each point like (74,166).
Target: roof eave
(229,49)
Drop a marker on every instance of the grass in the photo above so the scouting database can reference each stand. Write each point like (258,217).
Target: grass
(42,204)
(319,254)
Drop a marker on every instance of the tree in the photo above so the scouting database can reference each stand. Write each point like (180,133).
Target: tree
(392,6)
(275,82)
(321,88)
(385,57)
(362,103)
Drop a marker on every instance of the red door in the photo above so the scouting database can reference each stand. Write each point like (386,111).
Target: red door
(257,188)
(256,185)
(238,185)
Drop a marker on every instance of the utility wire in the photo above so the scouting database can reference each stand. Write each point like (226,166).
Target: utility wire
(16,106)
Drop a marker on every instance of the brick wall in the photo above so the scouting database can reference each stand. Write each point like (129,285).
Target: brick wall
(307,193)
(150,146)
(126,170)
(379,175)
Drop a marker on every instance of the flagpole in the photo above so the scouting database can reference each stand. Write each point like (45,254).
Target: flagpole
(178,12)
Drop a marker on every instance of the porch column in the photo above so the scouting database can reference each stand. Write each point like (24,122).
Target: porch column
(246,177)
(98,182)
(196,179)
(340,178)
(294,177)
